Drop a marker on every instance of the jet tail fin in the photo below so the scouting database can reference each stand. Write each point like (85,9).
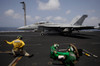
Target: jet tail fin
(80,21)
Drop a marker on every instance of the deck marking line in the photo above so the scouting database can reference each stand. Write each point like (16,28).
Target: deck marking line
(5,51)
(15,61)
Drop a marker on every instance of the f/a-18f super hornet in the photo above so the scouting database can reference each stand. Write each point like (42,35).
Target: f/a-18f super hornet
(66,29)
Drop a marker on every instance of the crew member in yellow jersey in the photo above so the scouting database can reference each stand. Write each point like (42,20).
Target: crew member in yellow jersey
(18,46)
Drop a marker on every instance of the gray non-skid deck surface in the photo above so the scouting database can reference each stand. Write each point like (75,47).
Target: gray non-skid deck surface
(40,47)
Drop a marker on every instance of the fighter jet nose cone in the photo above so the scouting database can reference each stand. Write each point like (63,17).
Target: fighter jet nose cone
(20,28)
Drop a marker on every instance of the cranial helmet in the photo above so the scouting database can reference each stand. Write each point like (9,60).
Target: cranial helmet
(19,37)
(56,45)
(70,47)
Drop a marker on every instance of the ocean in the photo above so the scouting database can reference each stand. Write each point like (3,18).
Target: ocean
(9,29)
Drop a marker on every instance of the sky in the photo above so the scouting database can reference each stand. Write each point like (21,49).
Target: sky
(56,11)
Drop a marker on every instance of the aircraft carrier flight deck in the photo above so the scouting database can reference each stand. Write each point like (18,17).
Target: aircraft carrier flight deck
(40,47)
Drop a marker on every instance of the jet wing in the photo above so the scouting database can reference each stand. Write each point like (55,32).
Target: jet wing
(73,28)
(68,26)
(83,27)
